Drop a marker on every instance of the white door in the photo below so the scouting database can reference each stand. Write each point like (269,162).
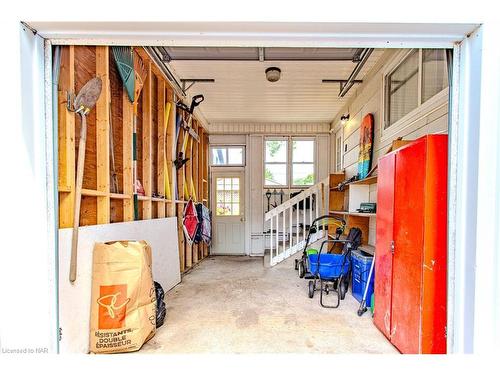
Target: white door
(229,213)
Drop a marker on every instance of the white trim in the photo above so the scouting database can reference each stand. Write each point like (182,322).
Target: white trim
(262,34)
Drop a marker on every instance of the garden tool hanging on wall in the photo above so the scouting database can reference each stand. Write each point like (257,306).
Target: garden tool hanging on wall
(196,101)
(84,102)
(133,73)
(268,196)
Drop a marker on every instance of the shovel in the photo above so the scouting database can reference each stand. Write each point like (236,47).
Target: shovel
(84,102)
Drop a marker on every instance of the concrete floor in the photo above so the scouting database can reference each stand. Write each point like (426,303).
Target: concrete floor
(236,305)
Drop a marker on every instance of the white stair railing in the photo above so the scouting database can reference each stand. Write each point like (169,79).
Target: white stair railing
(297,212)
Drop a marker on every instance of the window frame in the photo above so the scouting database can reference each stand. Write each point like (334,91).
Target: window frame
(422,107)
(289,163)
(227,147)
(292,163)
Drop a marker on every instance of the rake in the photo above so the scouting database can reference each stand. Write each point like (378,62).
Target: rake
(84,102)
(124,59)
(140,77)
(133,73)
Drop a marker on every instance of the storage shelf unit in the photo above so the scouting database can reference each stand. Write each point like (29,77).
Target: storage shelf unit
(345,202)
(113,116)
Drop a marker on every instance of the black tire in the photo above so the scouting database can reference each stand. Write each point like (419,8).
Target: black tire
(302,270)
(296,264)
(311,289)
(343,288)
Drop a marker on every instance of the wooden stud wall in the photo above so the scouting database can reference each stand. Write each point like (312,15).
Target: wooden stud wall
(113,117)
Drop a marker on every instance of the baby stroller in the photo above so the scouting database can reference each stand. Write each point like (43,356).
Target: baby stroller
(332,271)
(301,265)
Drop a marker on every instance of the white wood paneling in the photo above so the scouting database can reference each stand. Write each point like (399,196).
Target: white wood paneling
(432,118)
(242,94)
(255,182)
(368,99)
(286,128)
(322,156)
(227,139)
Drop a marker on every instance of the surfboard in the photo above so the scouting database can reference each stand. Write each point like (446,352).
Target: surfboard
(365,146)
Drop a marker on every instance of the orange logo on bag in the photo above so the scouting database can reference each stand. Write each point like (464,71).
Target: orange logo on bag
(112,306)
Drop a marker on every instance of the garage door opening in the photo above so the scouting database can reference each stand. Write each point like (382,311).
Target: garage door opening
(267,139)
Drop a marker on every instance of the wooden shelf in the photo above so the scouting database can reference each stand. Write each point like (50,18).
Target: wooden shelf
(64,189)
(347,213)
(362,214)
(367,181)
(343,213)
(120,196)
(143,198)
(94,193)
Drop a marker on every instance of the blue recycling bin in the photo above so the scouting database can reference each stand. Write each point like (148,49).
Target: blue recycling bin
(361,263)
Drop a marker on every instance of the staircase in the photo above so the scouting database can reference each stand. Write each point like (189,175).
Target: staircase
(285,220)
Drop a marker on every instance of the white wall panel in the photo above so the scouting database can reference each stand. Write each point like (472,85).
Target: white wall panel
(74,298)
(269,128)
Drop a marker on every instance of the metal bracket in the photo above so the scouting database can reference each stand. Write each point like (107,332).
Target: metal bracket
(70,98)
(342,82)
(191,82)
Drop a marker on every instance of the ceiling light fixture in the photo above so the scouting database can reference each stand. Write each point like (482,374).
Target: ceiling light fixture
(344,119)
(273,74)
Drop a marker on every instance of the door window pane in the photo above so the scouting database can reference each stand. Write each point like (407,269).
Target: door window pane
(402,89)
(435,72)
(275,174)
(227,196)
(303,174)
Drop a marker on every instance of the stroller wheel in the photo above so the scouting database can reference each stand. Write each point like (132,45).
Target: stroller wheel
(327,289)
(343,288)
(335,284)
(302,271)
(296,264)
(311,289)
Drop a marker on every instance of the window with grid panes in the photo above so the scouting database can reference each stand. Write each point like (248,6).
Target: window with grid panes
(227,196)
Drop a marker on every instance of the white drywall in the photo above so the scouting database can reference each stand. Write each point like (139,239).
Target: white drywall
(74,299)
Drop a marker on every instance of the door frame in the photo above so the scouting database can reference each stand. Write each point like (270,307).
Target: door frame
(474,73)
(221,171)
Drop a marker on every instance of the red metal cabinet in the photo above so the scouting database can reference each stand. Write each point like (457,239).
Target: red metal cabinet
(410,266)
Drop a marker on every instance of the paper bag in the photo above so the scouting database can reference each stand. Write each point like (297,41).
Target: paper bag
(123,305)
